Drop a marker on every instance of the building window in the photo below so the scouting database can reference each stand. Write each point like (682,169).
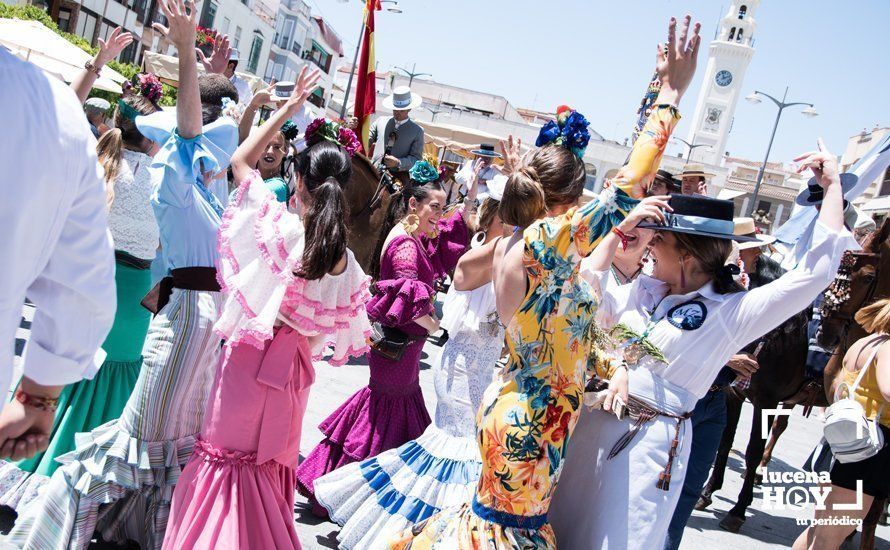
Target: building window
(287,34)
(765,206)
(731,34)
(320,57)
(742,11)
(225,26)
(129,53)
(739,37)
(237,37)
(253,60)
(64,19)
(208,19)
(317,98)
(86,25)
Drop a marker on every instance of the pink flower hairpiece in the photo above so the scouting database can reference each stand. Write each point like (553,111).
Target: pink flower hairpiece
(334,132)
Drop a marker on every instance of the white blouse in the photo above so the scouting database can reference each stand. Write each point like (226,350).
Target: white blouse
(131,218)
(728,322)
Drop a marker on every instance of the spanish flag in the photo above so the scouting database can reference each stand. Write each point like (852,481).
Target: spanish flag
(366,87)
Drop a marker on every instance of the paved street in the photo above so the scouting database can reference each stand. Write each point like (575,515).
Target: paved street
(763,529)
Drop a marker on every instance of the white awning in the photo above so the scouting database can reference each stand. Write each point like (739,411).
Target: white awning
(877,204)
(34,42)
(729,194)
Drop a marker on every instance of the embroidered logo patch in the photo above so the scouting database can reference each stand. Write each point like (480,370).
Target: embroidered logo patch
(688,316)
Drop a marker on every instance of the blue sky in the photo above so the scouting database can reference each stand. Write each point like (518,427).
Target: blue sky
(597,55)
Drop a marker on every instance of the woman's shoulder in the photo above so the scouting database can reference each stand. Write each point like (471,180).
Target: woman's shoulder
(861,352)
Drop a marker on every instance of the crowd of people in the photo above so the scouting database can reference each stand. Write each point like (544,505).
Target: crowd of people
(579,392)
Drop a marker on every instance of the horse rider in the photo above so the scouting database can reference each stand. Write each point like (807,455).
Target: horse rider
(396,142)
(241,85)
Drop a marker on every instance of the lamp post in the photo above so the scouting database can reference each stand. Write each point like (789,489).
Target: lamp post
(393,9)
(411,74)
(690,147)
(782,105)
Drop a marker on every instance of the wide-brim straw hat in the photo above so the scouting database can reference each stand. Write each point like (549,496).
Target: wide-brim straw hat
(402,99)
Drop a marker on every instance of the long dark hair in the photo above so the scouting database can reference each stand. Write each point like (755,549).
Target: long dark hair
(711,254)
(325,170)
(398,208)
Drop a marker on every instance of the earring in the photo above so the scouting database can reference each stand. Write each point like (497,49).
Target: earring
(411,223)
(682,276)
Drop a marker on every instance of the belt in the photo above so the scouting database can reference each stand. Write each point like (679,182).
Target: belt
(508,520)
(187,278)
(640,413)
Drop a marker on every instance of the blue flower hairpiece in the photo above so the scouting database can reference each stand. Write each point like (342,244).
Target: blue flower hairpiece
(423,172)
(569,130)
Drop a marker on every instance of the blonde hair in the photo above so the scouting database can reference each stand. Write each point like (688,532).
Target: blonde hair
(875,318)
(110,147)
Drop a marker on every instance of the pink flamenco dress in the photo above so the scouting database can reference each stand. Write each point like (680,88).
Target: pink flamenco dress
(389,411)
(238,488)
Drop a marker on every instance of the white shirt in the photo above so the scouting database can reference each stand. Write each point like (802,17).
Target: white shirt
(731,321)
(466,172)
(56,244)
(244,92)
(131,218)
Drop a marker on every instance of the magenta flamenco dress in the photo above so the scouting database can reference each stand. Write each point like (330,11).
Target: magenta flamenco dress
(238,488)
(389,411)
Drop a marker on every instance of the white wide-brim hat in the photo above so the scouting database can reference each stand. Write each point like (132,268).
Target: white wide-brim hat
(746,227)
(402,99)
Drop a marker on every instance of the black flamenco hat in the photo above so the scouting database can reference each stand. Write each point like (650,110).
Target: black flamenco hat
(814,193)
(700,215)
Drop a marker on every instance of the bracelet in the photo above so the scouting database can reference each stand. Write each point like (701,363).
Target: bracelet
(92,68)
(621,236)
(471,205)
(47,404)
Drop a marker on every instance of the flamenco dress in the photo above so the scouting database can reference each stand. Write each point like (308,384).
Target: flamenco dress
(529,412)
(119,480)
(238,488)
(389,411)
(375,499)
(93,402)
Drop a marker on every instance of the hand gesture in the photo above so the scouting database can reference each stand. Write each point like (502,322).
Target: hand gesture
(307,81)
(676,60)
(744,364)
(219,59)
(650,208)
(617,391)
(111,48)
(181,21)
(512,154)
(263,96)
(24,430)
(475,169)
(822,163)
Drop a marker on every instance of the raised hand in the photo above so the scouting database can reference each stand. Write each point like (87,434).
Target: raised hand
(822,163)
(512,154)
(219,59)
(306,83)
(676,60)
(181,21)
(111,48)
(649,209)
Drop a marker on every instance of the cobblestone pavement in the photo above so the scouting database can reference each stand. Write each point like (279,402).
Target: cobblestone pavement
(764,529)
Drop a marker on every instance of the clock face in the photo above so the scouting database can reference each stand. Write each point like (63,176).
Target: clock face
(723,78)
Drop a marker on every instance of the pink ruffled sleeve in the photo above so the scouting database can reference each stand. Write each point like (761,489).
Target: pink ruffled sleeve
(402,298)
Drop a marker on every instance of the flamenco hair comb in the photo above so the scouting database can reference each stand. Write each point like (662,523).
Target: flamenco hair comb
(290,131)
(569,130)
(149,86)
(334,132)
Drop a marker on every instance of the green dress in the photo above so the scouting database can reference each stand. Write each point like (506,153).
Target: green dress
(278,186)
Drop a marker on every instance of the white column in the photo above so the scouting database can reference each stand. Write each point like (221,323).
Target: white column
(745,206)
(778,217)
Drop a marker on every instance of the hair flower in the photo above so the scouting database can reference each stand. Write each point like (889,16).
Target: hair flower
(321,129)
(569,130)
(423,172)
(150,86)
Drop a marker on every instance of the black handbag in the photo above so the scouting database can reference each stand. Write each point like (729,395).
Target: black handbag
(390,342)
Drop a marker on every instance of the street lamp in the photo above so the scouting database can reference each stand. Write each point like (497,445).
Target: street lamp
(690,147)
(411,74)
(436,111)
(755,98)
(393,9)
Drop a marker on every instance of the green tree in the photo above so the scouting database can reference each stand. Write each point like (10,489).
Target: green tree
(34,13)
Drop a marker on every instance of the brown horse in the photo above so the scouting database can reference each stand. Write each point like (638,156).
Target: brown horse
(367,199)
(861,281)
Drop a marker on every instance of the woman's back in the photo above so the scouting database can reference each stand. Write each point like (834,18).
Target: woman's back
(869,353)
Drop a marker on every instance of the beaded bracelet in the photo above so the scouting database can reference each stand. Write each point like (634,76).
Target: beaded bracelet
(47,404)
(90,67)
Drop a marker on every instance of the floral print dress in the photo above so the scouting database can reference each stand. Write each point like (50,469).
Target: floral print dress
(528,414)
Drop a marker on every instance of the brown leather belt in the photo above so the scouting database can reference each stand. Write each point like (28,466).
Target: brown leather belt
(187,278)
(640,413)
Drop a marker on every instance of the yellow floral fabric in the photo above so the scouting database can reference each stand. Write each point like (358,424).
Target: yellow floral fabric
(528,414)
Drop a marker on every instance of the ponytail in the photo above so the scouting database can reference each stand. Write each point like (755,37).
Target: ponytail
(109,149)
(324,169)
(523,201)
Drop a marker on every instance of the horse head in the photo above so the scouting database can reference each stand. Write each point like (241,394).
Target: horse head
(861,279)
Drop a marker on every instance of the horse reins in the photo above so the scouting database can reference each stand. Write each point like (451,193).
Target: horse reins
(846,318)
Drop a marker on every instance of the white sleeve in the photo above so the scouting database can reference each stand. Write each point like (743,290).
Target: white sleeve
(75,292)
(463,175)
(764,308)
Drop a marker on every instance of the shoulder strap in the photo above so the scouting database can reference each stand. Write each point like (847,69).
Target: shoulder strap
(871,358)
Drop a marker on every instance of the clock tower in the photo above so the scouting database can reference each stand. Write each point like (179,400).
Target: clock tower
(728,59)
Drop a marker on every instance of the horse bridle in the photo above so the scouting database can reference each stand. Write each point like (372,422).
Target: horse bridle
(832,310)
(388,182)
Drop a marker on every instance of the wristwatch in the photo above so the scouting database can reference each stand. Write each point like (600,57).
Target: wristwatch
(90,67)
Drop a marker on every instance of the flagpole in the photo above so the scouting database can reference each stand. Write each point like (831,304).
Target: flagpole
(352,72)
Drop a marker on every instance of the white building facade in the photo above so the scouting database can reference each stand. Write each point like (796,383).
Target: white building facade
(250,27)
